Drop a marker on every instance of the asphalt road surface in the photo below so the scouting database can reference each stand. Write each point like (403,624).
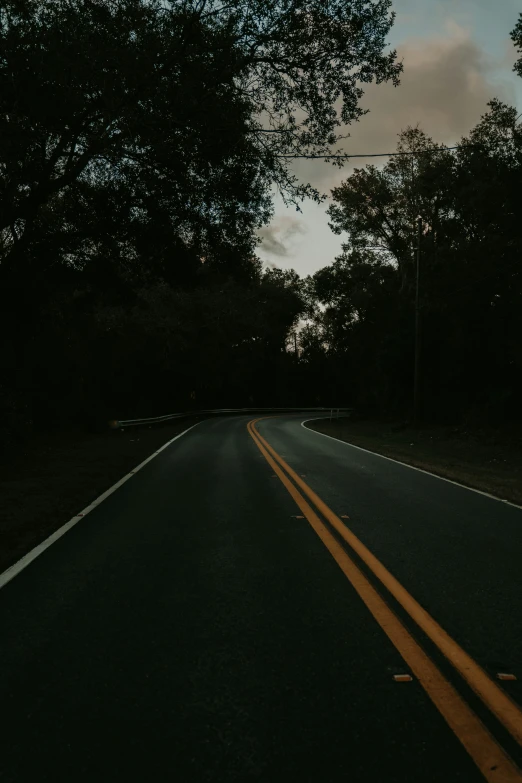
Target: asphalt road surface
(240,608)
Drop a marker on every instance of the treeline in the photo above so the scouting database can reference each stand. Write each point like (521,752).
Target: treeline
(140,144)
(470,278)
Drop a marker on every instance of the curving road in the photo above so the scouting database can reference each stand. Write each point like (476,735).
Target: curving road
(239,609)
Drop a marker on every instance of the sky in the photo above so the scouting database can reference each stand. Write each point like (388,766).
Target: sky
(457,56)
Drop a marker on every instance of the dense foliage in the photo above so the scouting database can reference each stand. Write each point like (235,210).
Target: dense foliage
(470,278)
(141,142)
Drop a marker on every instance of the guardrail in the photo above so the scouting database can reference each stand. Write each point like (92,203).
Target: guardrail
(121,424)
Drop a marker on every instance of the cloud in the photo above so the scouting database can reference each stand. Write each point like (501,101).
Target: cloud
(279,234)
(449,76)
(445,87)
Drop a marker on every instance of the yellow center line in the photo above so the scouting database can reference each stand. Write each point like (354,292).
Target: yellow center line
(506,710)
(495,765)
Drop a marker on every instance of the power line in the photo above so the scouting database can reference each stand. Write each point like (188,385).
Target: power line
(383,154)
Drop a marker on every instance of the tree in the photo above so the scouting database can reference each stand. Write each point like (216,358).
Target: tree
(470,280)
(362,324)
(378,208)
(69,112)
(140,141)
(516,37)
(298,60)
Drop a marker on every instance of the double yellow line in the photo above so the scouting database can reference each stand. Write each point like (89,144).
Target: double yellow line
(493,762)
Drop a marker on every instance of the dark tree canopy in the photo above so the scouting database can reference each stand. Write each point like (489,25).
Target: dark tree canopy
(516,37)
(470,279)
(190,103)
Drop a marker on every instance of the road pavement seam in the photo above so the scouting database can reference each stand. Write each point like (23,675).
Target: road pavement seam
(24,561)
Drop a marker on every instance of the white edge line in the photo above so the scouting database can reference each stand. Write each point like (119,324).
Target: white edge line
(413,467)
(19,566)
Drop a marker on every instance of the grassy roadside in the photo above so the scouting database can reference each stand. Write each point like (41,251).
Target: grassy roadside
(489,460)
(61,473)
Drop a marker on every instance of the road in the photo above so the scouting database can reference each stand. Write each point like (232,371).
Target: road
(239,609)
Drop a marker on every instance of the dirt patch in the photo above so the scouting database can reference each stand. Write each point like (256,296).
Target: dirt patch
(489,460)
(61,473)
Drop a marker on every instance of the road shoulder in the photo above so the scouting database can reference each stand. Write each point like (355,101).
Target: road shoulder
(488,461)
(59,474)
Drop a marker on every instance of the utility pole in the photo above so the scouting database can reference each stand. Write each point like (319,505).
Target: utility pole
(417,403)
(295,344)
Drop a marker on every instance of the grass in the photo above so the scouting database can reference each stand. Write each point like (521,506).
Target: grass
(58,474)
(486,459)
